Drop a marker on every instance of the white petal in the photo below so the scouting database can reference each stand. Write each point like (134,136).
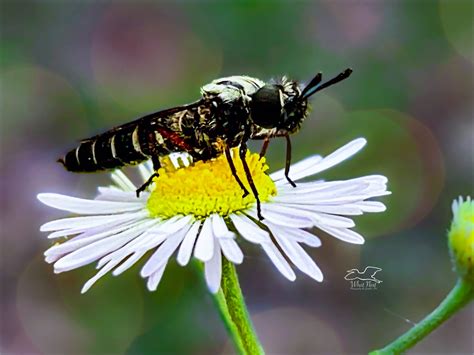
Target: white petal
(122,181)
(344,234)
(145,171)
(455,206)
(347,209)
(121,255)
(316,217)
(231,250)
(205,243)
(112,193)
(129,262)
(160,232)
(324,191)
(186,159)
(163,253)
(172,225)
(297,254)
(341,200)
(52,258)
(118,254)
(306,187)
(180,159)
(149,165)
(317,199)
(332,220)
(78,242)
(371,206)
(87,207)
(332,159)
(298,167)
(98,249)
(66,233)
(317,185)
(284,219)
(94,279)
(278,260)
(219,227)
(186,249)
(213,270)
(141,244)
(373,178)
(302,236)
(248,229)
(86,222)
(97,276)
(155,278)
(144,242)
(91,231)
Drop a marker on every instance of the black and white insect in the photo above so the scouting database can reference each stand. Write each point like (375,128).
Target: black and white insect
(230,112)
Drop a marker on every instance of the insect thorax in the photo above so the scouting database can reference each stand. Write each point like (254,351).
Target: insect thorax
(228,100)
(234,95)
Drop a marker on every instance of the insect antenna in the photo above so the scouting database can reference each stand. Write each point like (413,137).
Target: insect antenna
(314,85)
(314,82)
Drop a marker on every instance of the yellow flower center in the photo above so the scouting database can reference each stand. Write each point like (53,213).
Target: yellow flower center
(461,239)
(208,187)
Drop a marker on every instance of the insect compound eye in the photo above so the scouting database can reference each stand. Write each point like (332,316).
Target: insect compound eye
(266,106)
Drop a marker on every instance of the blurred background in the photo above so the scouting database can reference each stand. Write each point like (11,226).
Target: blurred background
(73,69)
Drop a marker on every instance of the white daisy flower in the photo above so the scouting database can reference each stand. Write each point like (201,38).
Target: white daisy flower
(197,209)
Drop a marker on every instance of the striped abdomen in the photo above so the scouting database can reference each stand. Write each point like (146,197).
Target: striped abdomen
(130,144)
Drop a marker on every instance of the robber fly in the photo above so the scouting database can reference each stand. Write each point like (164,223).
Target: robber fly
(231,111)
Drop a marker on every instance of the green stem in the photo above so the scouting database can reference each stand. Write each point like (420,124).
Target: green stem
(460,295)
(234,314)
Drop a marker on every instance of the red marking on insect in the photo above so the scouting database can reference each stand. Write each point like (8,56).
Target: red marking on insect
(175,139)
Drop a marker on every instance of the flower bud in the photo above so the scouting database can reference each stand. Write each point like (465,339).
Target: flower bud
(461,238)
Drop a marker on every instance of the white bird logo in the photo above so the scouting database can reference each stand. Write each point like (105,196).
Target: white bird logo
(367,275)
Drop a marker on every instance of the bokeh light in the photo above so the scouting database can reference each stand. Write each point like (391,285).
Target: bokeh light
(341,28)
(112,314)
(456,18)
(48,327)
(144,55)
(292,330)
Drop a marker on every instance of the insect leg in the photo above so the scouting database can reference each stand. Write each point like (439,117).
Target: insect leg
(156,167)
(266,142)
(234,171)
(242,152)
(156,162)
(288,160)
